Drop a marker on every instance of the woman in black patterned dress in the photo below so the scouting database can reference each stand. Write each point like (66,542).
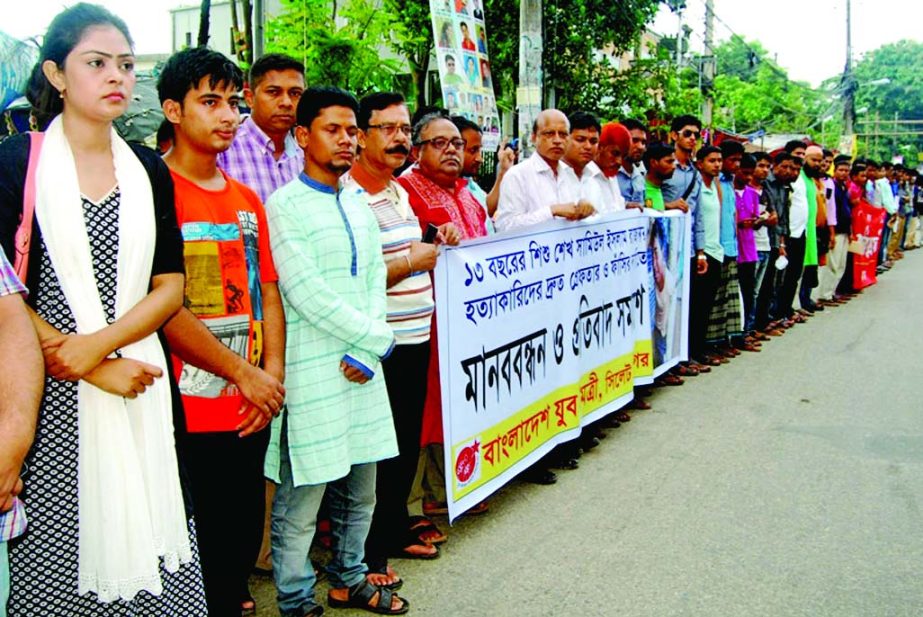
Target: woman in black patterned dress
(123,196)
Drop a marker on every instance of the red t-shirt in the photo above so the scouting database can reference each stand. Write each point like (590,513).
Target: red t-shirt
(226,247)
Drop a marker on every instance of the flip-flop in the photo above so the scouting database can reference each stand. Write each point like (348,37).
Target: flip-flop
(420,526)
(389,572)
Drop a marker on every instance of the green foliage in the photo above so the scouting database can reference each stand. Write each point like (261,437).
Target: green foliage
(339,42)
(411,37)
(899,62)
(750,92)
(575,31)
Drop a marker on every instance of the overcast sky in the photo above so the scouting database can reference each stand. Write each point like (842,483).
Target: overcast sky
(808,36)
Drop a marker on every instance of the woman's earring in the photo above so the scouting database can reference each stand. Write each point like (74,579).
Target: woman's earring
(61,94)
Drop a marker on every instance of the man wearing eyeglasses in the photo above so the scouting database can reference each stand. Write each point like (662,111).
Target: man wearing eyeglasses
(541,188)
(438,196)
(384,144)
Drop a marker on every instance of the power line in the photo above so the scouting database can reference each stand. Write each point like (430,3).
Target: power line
(754,53)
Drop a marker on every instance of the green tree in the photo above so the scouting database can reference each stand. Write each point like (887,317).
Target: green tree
(751,92)
(411,37)
(339,42)
(582,42)
(901,97)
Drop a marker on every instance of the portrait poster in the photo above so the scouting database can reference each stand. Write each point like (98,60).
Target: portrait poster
(460,37)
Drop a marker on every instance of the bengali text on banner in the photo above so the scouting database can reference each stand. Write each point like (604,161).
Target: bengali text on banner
(549,328)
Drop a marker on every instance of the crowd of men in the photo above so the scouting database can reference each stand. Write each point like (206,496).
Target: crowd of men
(342,206)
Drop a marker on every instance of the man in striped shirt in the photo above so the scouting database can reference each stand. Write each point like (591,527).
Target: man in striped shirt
(21,383)
(384,142)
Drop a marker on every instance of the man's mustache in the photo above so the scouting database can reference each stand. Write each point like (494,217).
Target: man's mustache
(398,150)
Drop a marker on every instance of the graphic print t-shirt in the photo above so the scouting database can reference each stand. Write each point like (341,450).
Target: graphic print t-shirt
(226,246)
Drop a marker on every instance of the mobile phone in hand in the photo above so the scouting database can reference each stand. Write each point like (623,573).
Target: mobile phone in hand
(429,236)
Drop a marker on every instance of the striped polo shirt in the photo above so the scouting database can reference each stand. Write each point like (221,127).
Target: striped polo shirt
(410,300)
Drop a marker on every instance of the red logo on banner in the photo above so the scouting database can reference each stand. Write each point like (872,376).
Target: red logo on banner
(467,462)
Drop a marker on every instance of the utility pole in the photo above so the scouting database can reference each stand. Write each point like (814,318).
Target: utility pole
(849,81)
(708,67)
(258,16)
(679,38)
(529,92)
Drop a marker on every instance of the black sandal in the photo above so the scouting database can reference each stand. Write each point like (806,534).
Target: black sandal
(360,595)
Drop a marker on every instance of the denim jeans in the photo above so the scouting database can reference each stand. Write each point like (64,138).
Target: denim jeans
(4,578)
(351,500)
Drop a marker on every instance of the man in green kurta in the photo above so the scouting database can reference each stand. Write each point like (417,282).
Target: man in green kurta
(337,422)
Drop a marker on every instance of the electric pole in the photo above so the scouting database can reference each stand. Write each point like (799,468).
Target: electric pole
(849,82)
(529,92)
(679,37)
(708,66)
(258,18)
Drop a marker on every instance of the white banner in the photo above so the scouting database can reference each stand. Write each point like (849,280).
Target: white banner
(547,329)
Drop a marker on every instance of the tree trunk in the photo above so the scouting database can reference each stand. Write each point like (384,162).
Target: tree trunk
(204,16)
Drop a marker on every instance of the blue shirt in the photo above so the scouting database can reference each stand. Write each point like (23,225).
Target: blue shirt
(631,186)
(728,216)
(677,186)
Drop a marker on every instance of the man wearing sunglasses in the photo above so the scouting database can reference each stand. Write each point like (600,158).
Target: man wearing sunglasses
(683,189)
(685,185)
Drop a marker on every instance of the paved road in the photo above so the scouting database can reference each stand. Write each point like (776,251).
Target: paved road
(786,483)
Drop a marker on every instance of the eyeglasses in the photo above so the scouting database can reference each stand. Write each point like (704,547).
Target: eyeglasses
(441,143)
(388,130)
(688,133)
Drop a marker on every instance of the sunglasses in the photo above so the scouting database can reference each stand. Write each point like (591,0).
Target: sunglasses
(689,133)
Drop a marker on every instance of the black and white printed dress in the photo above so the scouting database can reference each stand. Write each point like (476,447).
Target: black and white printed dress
(44,562)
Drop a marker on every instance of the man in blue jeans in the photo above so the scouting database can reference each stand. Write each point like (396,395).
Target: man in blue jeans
(337,423)
(21,382)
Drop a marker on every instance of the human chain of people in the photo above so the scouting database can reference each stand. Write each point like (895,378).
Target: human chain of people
(241,345)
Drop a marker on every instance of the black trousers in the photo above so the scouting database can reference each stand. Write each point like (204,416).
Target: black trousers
(702,296)
(794,250)
(766,292)
(228,497)
(405,376)
(746,277)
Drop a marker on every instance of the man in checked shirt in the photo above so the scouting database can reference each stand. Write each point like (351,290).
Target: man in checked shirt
(21,382)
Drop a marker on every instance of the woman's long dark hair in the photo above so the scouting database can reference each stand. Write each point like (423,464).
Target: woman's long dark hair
(65,31)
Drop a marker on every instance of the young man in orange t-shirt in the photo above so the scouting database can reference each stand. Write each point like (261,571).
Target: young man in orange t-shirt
(228,342)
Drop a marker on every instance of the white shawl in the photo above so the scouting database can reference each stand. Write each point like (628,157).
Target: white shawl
(130,502)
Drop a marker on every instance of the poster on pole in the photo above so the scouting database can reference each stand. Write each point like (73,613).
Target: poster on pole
(546,329)
(460,36)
